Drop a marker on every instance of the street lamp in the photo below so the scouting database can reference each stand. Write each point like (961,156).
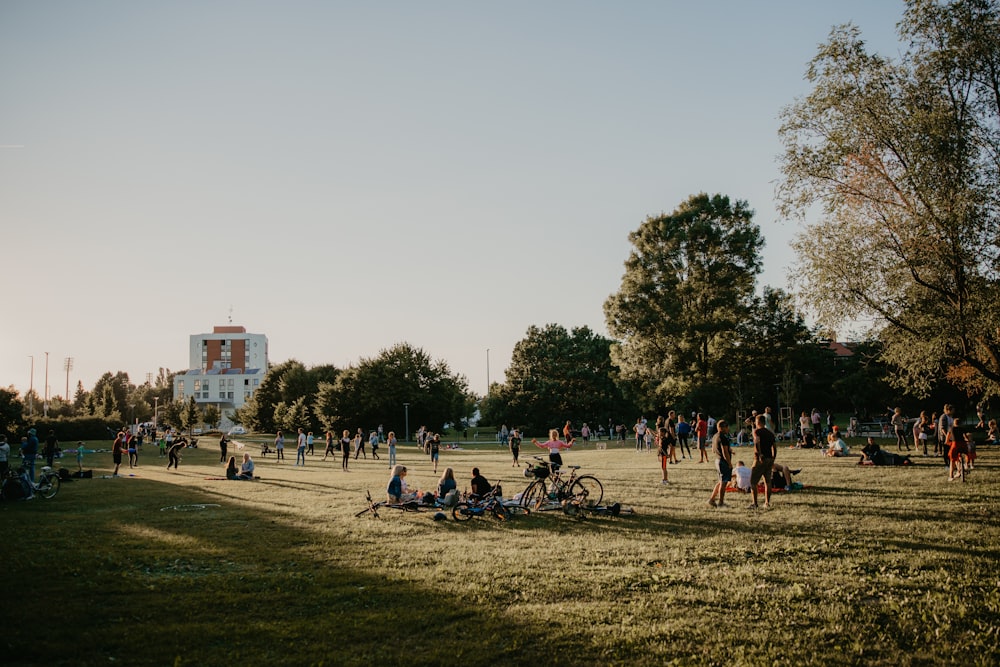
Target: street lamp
(31,388)
(45,405)
(156,407)
(406,407)
(487,371)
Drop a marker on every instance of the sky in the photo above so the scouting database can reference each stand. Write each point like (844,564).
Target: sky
(346,176)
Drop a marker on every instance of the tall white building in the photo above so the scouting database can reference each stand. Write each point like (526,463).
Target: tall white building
(226,367)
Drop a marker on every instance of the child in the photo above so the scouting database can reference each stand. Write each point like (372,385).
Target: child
(79,456)
(742,474)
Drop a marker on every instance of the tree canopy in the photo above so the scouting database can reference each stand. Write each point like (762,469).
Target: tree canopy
(688,283)
(555,375)
(903,156)
(375,390)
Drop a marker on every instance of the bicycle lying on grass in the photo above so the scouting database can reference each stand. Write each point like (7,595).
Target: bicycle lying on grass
(490,504)
(17,484)
(375,506)
(550,489)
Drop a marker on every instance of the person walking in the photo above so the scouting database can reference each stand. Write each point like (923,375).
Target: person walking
(309,445)
(723,454)
(329,445)
(373,443)
(514,443)
(359,445)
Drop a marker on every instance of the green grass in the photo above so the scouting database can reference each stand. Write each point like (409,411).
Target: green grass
(866,566)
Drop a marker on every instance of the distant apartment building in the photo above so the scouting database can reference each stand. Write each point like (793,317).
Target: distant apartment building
(226,368)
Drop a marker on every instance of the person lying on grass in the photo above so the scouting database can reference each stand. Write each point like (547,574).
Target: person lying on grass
(874,454)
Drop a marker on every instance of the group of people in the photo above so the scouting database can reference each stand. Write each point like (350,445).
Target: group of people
(764,454)
(397,491)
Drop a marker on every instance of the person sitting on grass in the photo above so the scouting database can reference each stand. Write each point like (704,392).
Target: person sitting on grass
(480,485)
(808,440)
(231,471)
(395,490)
(741,475)
(447,485)
(246,468)
(993,435)
(781,476)
(837,445)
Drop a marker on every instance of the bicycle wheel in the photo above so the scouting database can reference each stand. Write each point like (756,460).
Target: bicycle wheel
(587,491)
(48,485)
(534,495)
(499,511)
(462,512)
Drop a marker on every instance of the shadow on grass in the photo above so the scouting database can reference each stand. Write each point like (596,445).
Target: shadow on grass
(225,584)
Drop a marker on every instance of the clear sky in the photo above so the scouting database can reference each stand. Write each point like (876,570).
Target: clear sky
(349,175)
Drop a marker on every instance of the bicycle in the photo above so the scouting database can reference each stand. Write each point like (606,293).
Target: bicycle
(549,490)
(47,485)
(490,504)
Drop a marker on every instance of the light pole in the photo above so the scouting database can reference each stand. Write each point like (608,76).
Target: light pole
(68,365)
(487,371)
(31,388)
(45,405)
(406,408)
(156,407)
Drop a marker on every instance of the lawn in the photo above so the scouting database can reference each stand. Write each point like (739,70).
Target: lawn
(864,566)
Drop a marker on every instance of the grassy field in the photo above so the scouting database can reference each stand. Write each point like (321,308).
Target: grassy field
(864,566)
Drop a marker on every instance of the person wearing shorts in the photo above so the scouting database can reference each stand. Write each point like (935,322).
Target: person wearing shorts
(764,452)
(723,464)
(116,451)
(435,443)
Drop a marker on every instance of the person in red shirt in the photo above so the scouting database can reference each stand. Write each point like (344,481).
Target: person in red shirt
(701,434)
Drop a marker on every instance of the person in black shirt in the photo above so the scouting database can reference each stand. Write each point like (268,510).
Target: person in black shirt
(480,485)
(764,452)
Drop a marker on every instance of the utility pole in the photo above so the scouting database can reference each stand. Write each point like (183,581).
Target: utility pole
(68,365)
(31,388)
(45,405)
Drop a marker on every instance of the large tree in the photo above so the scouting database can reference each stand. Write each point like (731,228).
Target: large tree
(555,375)
(903,156)
(375,390)
(688,282)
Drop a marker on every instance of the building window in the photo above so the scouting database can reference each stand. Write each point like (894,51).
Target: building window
(180,388)
(197,387)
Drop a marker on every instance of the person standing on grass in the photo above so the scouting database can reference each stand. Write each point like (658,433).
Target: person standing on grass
(373,441)
(899,428)
(29,450)
(309,446)
(223,448)
(329,445)
(661,448)
(300,448)
(684,436)
(117,448)
(390,441)
(640,434)
(958,444)
(51,444)
(555,445)
(764,452)
(279,446)
(701,437)
(944,425)
(345,449)
(4,457)
(723,464)
(359,444)
(671,426)
(133,450)
(514,443)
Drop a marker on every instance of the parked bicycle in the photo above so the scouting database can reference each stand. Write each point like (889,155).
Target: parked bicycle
(18,484)
(490,504)
(550,488)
